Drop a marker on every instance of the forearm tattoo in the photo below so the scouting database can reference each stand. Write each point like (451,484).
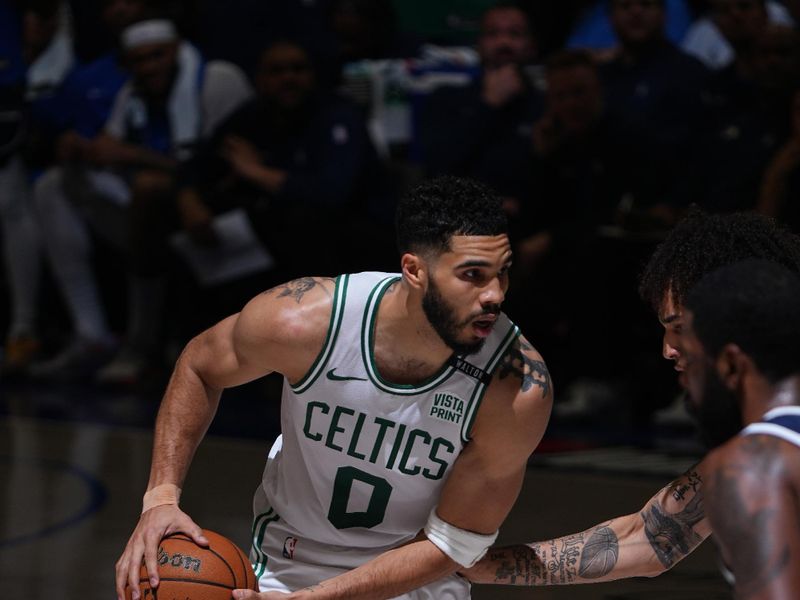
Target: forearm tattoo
(532,372)
(600,554)
(560,561)
(672,536)
(299,287)
(692,481)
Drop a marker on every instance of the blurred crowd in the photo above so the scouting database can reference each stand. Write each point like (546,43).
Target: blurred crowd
(161,162)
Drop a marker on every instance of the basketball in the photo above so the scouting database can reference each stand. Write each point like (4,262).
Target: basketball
(191,572)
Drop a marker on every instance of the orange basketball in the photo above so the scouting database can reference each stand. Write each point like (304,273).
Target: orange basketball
(191,572)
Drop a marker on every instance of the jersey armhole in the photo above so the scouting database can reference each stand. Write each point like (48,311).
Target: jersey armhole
(480,389)
(337,312)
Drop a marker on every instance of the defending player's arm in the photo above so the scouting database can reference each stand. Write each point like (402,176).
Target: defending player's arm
(280,330)
(479,493)
(641,544)
(754,509)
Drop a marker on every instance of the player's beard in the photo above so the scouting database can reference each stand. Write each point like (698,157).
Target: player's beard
(719,414)
(441,316)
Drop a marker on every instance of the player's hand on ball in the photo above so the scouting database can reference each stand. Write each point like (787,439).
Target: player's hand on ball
(153,526)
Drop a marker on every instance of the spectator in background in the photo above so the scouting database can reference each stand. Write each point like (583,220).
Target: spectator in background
(301,163)
(593,29)
(367,29)
(707,37)
(779,196)
(173,100)
(655,92)
(581,167)
(748,121)
(44,54)
(238,30)
(580,176)
(483,130)
(88,93)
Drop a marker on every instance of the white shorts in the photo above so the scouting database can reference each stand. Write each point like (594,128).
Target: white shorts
(284,561)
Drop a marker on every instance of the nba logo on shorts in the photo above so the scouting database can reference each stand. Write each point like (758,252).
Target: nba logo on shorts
(288,547)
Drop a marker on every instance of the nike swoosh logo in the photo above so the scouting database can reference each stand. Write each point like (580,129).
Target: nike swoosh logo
(334,377)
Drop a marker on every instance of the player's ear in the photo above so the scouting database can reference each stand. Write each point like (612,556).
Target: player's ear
(415,270)
(732,365)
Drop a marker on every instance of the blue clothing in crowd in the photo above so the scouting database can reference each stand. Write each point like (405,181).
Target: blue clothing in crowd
(88,94)
(12,66)
(594,30)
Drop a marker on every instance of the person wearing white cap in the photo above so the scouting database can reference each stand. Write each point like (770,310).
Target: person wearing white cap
(173,99)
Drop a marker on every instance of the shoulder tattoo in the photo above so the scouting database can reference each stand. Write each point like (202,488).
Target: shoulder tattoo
(531,372)
(298,288)
(745,525)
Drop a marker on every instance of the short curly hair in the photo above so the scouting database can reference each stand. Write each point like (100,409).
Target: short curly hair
(754,304)
(704,242)
(439,208)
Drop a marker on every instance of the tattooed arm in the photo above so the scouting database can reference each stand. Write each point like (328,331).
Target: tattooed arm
(752,493)
(280,330)
(642,544)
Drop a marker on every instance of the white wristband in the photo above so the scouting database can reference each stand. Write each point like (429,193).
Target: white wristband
(464,547)
(166,493)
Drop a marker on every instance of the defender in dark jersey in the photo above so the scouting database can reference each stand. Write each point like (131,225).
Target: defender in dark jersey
(743,369)
(673,522)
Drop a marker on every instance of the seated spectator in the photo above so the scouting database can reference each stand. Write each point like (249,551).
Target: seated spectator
(581,187)
(44,51)
(582,162)
(707,38)
(594,29)
(747,123)
(173,99)
(655,92)
(238,30)
(301,163)
(483,130)
(780,186)
(367,29)
(88,93)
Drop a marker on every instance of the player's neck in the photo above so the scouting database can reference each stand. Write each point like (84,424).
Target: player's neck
(407,348)
(767,396)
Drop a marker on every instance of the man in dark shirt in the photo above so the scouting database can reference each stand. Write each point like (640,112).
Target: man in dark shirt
(655,91)
(302,164)
(483,130)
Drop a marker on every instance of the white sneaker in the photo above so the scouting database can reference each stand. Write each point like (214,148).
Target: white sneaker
(674,415)
(588,399)
(126,368)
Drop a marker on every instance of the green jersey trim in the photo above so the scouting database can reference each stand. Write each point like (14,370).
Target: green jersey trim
(480,389)
(337,311)
(259,530)
(368,344)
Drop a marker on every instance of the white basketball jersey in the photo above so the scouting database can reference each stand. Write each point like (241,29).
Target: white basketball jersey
(362,461)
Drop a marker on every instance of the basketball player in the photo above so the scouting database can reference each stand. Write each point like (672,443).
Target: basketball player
(673,522)
(742,369)
(411,403)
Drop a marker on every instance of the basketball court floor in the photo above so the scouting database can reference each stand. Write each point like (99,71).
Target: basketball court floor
(74,463)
